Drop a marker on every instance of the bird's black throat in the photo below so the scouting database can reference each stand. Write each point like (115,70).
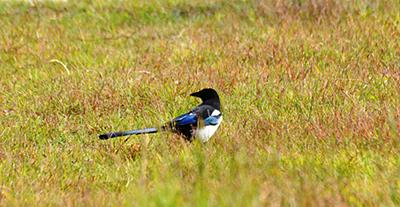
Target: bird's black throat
(213,102)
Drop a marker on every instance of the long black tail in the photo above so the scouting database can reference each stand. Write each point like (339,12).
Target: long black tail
(130,132)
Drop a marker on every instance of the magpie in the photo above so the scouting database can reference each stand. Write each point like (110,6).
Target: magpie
(200,123)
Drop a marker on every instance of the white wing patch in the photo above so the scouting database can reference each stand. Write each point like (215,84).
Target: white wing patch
(215,113)
(205,133)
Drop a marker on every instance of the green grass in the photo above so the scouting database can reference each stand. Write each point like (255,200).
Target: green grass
(310,93)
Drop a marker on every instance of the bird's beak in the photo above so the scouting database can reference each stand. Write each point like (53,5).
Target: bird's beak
(195,94)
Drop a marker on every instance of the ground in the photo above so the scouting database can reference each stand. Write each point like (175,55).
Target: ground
(310,95)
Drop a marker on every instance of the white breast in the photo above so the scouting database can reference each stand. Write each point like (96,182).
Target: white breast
(205,133)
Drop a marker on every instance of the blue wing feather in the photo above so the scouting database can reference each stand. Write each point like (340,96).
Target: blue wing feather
(189,118)
(211,120)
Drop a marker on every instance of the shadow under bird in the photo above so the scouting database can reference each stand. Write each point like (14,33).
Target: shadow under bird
(200,123)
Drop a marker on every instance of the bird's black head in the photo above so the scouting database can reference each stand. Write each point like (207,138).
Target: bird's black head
(208,96)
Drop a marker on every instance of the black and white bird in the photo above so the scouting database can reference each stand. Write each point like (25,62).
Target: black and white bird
(200,123)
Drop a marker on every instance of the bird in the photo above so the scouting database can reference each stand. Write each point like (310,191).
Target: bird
(199,123)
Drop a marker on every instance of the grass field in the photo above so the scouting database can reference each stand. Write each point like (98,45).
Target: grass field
(310,93)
